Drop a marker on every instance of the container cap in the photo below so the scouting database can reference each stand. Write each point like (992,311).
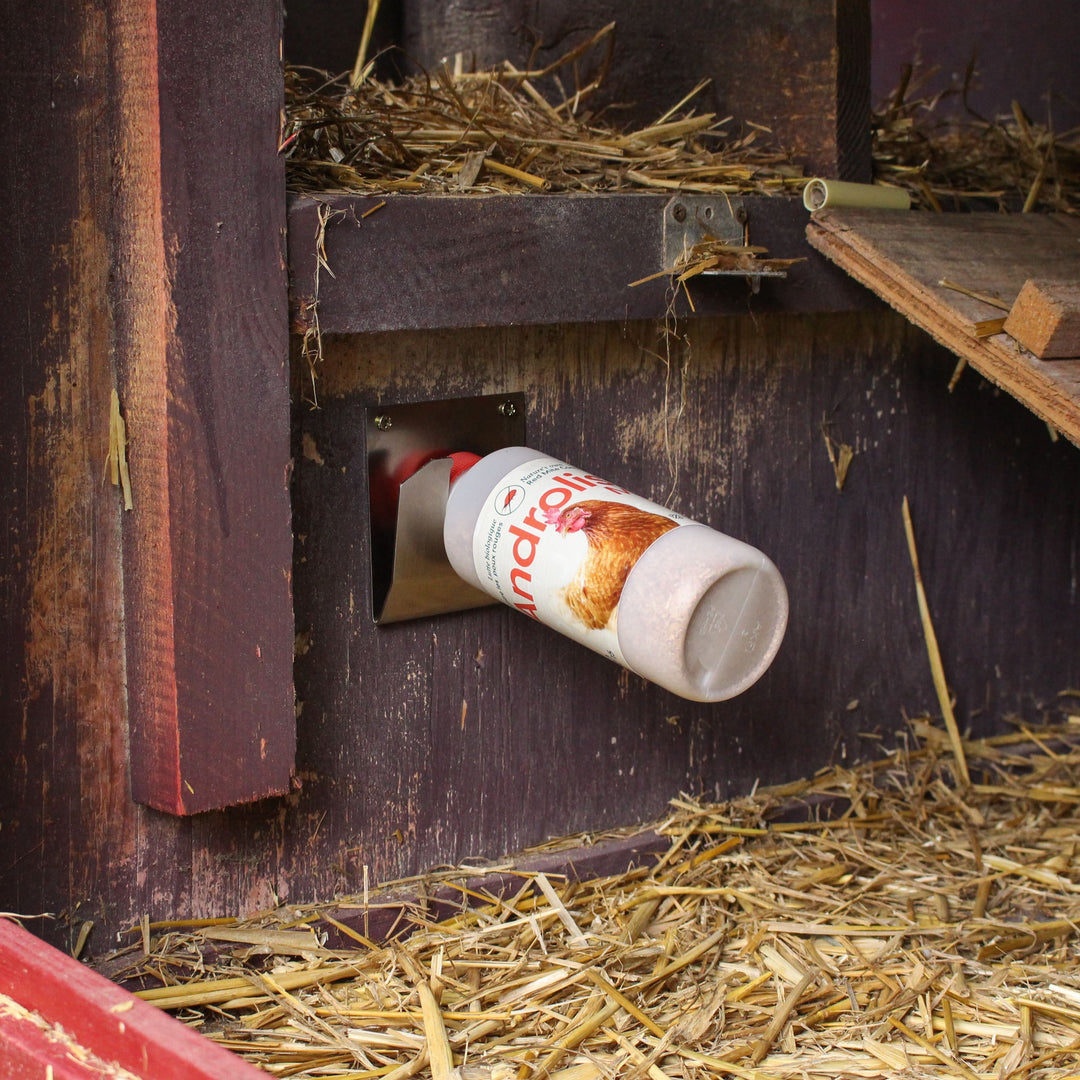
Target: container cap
(702,614)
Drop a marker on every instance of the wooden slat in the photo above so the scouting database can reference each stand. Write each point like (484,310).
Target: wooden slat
(202,351)
(398,912)
(904,257)
(102,1024)
(432,262)
(62,721)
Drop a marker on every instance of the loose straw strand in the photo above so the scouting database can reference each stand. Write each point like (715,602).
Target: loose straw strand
(936,669)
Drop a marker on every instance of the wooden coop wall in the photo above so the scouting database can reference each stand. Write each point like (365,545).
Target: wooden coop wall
(477,733)
(126,635)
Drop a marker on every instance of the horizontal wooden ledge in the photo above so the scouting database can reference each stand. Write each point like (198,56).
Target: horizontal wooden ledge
(422,262)
(910,259)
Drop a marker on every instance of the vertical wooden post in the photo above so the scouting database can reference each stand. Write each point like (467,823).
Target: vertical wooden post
(202,352)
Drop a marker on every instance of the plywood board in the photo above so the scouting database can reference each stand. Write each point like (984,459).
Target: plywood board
(904,257)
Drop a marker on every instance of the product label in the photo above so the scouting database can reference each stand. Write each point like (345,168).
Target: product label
(557,543)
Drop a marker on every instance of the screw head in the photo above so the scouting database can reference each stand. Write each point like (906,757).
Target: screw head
(383,422)
(741,216)
(678,212)
(508,409)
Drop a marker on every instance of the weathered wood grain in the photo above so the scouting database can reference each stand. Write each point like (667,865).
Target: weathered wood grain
(89,308)
(800,69)
(906,257)
(201,311)
(450,261)
(64,791)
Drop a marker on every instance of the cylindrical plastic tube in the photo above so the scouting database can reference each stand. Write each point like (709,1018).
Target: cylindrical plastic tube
(819,194)
(697,612)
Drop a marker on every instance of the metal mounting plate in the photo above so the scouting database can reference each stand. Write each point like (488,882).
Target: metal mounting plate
(691,219)
(408,485)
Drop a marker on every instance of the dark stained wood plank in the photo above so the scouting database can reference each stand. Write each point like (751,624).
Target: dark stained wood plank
(326,35)
(477,734)
(1021,52)
(202,327)
(398,912)
(67,819)
(87,295)
(800,68)
(93,1025)
(457,261)
(904,257)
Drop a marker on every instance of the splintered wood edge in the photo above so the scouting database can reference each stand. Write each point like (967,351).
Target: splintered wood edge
(1031,382)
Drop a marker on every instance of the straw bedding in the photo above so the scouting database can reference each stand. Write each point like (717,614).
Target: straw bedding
(456,131)
(513,130)
(883,920)
(949,157)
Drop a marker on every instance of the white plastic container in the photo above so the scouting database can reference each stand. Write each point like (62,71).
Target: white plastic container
(693,610)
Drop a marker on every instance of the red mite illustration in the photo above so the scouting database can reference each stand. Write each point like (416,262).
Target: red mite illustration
(617,534)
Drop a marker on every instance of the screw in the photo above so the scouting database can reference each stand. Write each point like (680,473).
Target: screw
(678,212)
(508,409)
(741,216)
(383,422)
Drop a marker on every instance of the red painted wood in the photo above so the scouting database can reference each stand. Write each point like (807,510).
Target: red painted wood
(101,1017)
(26,1050)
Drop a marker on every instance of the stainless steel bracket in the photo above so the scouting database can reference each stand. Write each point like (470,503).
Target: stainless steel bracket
(691,219)
(408,485)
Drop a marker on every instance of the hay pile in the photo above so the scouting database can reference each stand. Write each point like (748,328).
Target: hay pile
(951,158)
(877,921)
(456,131)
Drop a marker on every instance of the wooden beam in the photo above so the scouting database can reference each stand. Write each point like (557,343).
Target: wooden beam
(477,260)
(1045,318)
(914,261)
(202,350)
(398,913)
(62,686)
(65,1021)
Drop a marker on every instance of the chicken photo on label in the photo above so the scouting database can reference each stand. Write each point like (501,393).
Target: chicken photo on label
(617,534)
